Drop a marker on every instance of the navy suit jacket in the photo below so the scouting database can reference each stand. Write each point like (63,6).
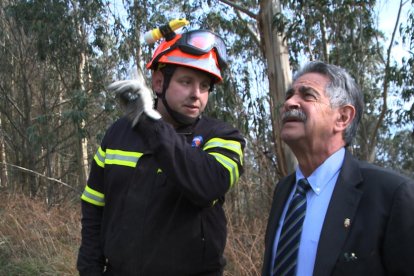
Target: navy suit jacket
(379,204)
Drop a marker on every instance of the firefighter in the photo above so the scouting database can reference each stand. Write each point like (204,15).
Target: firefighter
(153,203)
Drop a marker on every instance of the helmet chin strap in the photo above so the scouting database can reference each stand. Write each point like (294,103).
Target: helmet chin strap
(179,118)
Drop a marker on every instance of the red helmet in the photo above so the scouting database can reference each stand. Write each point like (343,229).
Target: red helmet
(199,49)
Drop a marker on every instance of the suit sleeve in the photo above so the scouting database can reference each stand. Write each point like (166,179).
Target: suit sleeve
(204,173)
(399,239)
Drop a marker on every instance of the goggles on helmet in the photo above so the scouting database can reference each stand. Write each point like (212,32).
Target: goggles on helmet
(197,43)
(200,42)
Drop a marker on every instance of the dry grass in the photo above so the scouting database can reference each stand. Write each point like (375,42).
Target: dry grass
(35,240)
(245,247)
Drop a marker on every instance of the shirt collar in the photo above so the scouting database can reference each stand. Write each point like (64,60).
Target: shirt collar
(325,172)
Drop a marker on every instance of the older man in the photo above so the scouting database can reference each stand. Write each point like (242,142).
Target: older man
(335,215)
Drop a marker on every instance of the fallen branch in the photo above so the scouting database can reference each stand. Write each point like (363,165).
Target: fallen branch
(39,174)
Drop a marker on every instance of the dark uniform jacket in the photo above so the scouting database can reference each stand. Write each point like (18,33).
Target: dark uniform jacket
(369,225)
(153,200)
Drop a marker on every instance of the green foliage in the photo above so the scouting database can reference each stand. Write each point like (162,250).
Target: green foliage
(345,33)
(396,152)
(310,26)
(404,75)
(49,23)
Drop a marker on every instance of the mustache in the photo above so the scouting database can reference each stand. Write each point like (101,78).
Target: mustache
(294,114)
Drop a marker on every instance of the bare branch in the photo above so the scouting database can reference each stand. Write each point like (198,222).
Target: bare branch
(39,174)
(252,33)
(385,84)
(240,8)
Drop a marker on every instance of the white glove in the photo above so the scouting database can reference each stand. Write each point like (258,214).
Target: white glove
(135,98)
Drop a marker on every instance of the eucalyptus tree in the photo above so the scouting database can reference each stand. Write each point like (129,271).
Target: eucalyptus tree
(53,86)
(346,33)
(17,71)
(398,141)
(339,32)
(405,74)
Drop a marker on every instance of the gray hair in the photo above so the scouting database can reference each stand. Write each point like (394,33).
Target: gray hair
(341,90)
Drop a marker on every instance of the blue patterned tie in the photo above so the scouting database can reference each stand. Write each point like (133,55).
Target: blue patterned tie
(288,245)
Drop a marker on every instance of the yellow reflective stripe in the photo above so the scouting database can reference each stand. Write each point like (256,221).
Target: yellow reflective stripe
(93,197)
(226,144)
(123,158)
(100,157)
(230,165)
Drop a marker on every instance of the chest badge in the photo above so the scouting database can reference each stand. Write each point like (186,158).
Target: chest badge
(197,141)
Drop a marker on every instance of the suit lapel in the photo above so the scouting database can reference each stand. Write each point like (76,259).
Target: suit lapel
(281,193)
(342,206)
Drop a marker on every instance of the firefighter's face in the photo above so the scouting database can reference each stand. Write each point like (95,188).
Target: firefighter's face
(187,92)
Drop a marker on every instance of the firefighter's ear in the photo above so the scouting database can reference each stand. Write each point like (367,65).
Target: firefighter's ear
(157,81)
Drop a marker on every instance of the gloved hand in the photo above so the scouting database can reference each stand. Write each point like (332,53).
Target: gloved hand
(135,98)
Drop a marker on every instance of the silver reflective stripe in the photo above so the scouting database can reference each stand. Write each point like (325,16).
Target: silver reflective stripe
(93,197)
(209,64)
(100,157)
(121,158)
(226,144)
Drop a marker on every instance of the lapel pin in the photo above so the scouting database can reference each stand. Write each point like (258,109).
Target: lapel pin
(350,257)
(347,222)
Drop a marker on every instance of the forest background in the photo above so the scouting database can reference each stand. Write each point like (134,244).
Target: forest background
(58,56)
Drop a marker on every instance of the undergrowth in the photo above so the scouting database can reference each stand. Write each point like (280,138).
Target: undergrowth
(37,240)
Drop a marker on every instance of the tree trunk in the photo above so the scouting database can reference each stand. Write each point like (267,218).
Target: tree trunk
(83,141)
(279,75)
(3,160)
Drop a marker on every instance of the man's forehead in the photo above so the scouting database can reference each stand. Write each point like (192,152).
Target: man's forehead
(313,80)
(188,71)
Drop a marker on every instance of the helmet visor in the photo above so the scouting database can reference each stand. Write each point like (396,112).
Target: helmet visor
(200,42)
